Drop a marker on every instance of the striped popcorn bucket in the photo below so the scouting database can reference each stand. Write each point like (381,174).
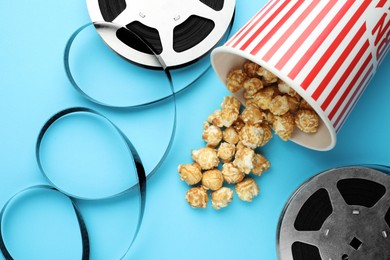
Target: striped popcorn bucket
(327,51)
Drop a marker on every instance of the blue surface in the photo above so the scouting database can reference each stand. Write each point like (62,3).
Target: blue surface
(34,87)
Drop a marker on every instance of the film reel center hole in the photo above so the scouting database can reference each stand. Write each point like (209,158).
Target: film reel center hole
(345,257)
(355,243)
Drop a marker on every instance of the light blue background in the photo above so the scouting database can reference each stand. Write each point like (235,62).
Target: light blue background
(33,86)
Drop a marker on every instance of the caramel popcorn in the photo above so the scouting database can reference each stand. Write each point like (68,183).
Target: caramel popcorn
(284,126)
(251,68)
(243,159)
(226,152)
(267,77)
(279,105)
(212,179)
(263,98)
(247,189)
(304,105)
(239,146)
(238,125)
(197,197)
(251,135)
(231,173)
(267,134)
(190,173)
(260,164)
(206,157)
(293,104)
(221,198)
(230,102)
(252,86)
(286,89)
(212,135)
(229,116)
(252,115)
(235,80)
(215,119)
(230,135)
(307,121)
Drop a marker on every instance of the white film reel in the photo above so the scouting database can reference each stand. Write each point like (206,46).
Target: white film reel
(180,31)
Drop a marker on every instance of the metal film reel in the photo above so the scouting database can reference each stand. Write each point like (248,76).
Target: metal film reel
(340,214)
(180,31)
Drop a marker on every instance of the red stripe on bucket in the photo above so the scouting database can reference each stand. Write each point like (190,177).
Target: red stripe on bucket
(290,31)
(350,87)
(348,108)
(254,24)
(264,25)
(310,28)
(279,24)
(333,47)
(336,66)
(347,73)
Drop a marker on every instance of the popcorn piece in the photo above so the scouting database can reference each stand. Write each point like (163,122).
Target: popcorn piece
(260,164)
(231,173)
(307,121)
(243,159)
(226,152)
(230,102)
(267,77)
(221,198)
(252,86)
(229,116)
(304,105)
(269,117)
(239,146)
(206,157)
(293,104)
(284,126)
(252,115)
(251,68)
(263,98)
(286,89)
(279,105)
(230,135)
(267,134)
(215,119)
(238,124)
(247,189)
(212,135)
(190,173)
(251,136)
(235,80)
(197,197)
(212,179)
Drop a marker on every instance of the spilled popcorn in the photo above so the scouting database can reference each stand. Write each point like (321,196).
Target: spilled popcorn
(232,135)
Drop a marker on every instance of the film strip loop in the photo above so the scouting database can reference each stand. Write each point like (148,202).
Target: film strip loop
(137,164)
(80,220)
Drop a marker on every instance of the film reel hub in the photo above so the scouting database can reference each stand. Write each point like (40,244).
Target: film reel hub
(180,32)
(342,214)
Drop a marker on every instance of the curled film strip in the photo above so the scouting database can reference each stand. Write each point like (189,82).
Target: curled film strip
(342,213)
(180,34)
(136,166)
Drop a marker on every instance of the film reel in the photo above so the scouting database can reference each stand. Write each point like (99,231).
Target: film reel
(340,214)
(180,34)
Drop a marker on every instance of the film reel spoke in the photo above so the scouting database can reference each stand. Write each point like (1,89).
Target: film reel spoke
(307,237)
(338,203)
(383,205)
(204,11)
(126,17)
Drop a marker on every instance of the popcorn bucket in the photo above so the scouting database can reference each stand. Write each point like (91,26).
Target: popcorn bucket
(327,51)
